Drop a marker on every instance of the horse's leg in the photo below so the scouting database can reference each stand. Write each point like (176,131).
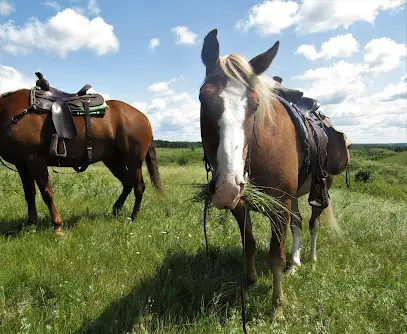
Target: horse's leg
(314,228)
(296,228)
(139,187)
(118,169)
(29,193)
(41,176)
(241,214)
(277,259)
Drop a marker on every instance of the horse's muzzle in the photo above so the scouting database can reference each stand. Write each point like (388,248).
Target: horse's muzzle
(226,192)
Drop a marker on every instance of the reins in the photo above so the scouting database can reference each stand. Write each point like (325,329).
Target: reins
(209,169)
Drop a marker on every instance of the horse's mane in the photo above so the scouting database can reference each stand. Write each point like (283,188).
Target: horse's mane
(236,67)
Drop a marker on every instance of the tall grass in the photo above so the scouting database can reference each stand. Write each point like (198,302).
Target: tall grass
(107,275)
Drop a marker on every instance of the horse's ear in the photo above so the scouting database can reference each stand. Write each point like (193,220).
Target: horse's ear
(262,62)
(210,49)
(338,152)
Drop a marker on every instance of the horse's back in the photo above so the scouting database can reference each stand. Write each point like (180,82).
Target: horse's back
(129,121)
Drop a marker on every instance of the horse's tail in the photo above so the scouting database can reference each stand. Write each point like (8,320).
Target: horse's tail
(152,166)
(331,220)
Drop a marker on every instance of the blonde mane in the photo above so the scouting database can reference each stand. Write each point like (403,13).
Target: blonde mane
(236,67)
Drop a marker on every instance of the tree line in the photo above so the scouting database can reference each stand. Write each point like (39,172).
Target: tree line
(176,144)
(396,147)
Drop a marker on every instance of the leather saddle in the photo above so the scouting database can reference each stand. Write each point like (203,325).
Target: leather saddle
(63,107)
(317,142)
(295,96)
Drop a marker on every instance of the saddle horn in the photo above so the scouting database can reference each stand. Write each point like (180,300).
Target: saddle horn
(41,82)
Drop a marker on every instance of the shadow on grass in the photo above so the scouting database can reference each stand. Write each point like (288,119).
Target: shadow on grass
(178,294)
(17,227)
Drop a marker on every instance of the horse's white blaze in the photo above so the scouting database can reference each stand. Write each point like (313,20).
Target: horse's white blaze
(231,141)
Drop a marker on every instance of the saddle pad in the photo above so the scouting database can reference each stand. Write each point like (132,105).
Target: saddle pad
(299,121)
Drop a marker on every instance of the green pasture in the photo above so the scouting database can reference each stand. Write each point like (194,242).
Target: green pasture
(109,275)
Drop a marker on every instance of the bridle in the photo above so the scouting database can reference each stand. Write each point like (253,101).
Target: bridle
(246,169)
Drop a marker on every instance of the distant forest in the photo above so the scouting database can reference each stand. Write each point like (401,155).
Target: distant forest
(176,144)
(397,147)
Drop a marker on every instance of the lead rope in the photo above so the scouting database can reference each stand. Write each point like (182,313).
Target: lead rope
(207,200)
(244,321)
(243,277)
(209,169)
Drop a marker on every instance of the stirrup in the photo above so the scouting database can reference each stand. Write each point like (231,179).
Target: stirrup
(57,147)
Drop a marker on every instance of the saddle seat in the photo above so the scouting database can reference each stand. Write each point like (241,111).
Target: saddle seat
(290,95)
(308,105)
(57,94)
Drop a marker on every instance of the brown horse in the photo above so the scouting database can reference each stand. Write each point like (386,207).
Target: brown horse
(122,139)
(248,135)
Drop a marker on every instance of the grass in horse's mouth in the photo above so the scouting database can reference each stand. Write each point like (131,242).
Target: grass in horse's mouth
(256,199)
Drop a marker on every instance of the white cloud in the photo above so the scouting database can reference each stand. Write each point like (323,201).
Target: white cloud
(184,35)
(6,8)
(323,15)
(93,8)
(311,16)
(341,46)
(344,92)
(384,55)
(11,79)
(154,42)
(162,88)
(332,85)
(92,91)
(270,17)
(394,92)
(174,117)
(369,119)
(65,32)
(344,80)
(54,5)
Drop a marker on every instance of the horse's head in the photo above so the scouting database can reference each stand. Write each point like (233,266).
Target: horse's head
(230,97)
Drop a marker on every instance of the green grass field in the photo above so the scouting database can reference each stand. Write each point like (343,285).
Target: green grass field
(108,275)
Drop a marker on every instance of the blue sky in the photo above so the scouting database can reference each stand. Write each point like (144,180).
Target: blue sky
(358,74)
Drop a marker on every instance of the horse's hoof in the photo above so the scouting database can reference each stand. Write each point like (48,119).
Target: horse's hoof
(30,227)
(292,271)
(277,315)
(31,223)
(58,231)
(115,211)
(251,279)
